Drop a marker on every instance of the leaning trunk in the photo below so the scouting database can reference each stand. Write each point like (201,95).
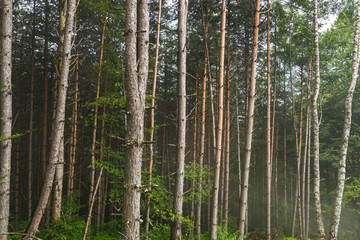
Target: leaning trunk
(346,133)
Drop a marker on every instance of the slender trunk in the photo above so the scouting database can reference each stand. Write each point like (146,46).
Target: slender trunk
(96,109)
(92,204)
(308,173)
(250,122)
(202,151)
(297,184)
(152,115)
(227,119)
(181,121)
(346,132)
(29,180)
(272,141)
(137,60)
(6,113)
(214,208)
(268,132)
(58,131)
(73,137)
(285,160)
(320,224)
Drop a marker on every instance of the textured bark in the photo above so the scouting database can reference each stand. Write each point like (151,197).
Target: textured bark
(181,121)
(152,116)
(250,122)
(58,131)
(334,228)
(58,184)
(214,207)
(6,113)
(319,221)
(297,203)
(268,132)
(137,60)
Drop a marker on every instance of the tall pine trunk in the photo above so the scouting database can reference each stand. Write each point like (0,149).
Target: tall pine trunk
(58,131)
(181,121)
(137,60)
(249,122)
(214,207)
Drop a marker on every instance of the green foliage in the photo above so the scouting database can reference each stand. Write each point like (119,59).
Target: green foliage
(67,228)
(194,172)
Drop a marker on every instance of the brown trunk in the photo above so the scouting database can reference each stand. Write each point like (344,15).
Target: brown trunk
(152,116)
(137,45)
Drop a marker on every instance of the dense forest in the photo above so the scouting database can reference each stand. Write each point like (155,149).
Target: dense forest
(179,119)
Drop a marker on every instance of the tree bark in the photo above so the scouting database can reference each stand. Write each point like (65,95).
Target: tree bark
(58,131)
(137,60)
(334,228)
(319,221)
(152,116)
(58,184)
(250,122)
(214,208)
(181,121)
(268,132)
(6,113)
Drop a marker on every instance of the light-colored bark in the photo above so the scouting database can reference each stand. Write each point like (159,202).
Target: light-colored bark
(181,121)
(152,122)
(58,184)
(334,228)
(319,221)
(6,113)
(214,207)
(250,122)
(58,131)
(137,60)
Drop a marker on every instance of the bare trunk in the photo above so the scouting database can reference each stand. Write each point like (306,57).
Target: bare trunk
(152,116)
(346,132)
(58,131)
(181,121)
(58,184)
(6,113)
(137,60)
(268,133)
(214,208)
(320,224)
(250,122)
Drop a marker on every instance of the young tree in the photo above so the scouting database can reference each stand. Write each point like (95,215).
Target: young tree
(319,220)
(58,131)
(181,121)
(137,60)
(6,113)
(346,132)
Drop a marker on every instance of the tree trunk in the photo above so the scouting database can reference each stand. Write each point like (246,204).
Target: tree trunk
(73,137)
(137,44)
(152,116)
(250,121)
(268,132)
(320,224)
(214,208)
(346,132)
(6,113)
(181,121)
(58,184)
(58,131)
